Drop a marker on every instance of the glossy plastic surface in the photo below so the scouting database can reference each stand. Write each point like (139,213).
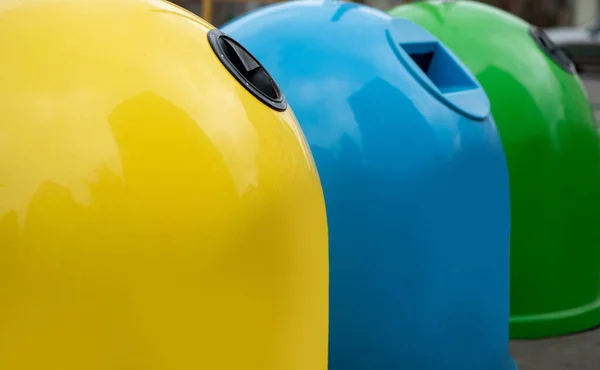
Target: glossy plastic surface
(416,193)
(552,149)
(153,214)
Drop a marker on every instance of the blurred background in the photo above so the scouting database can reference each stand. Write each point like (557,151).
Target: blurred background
(542,13)
(575,27)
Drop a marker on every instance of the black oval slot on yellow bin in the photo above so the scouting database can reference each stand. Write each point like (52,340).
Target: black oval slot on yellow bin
(247,70)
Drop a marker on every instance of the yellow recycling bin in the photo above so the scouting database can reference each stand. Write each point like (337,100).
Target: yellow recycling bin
(159,206)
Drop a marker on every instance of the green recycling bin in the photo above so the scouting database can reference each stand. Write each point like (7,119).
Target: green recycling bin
(552,147)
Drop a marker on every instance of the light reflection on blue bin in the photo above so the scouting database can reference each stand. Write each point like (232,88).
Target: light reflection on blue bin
(415,183)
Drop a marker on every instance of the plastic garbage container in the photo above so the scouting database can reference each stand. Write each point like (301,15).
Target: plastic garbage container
(552,149)
(155,211)
(415,183)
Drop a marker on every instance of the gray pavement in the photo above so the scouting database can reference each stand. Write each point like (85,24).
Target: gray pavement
(573,352)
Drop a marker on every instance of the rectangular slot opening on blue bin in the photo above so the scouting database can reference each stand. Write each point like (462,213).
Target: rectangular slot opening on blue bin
(439,66)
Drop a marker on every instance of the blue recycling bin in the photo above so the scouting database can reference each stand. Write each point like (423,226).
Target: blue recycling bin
(415,183)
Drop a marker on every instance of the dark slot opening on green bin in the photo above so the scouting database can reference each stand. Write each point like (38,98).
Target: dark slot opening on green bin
(440,67)
(552,50)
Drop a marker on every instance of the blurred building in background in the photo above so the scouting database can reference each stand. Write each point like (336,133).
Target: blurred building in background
(585,12)
(542,13)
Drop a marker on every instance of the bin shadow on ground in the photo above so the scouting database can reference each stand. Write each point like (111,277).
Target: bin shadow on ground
(573,352)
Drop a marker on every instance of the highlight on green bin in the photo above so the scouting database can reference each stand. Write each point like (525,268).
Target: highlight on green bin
(553,154)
